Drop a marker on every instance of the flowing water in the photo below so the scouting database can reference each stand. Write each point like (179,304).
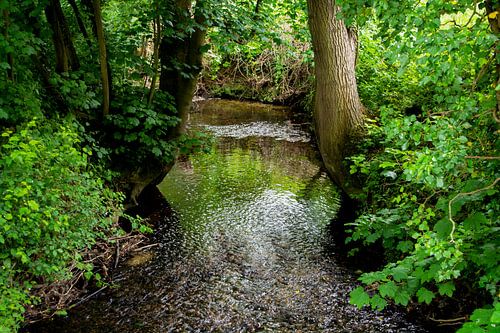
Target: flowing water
(248,247)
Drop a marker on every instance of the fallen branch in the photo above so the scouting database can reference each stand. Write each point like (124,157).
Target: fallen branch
(453,320)
(117,255)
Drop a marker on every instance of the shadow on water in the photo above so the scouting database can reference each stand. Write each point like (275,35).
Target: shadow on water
(247,246)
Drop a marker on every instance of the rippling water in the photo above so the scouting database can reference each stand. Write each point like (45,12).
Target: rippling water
(246,249)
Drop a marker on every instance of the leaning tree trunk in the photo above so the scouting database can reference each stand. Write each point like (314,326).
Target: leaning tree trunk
(80,23)
(180,83)
(337,107)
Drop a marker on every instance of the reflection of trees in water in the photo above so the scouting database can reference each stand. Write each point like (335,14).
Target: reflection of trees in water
(293,159)
(224,112)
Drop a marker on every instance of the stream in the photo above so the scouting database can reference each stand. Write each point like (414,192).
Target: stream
(248,247)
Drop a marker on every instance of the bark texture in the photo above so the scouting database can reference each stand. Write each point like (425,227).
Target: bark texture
(181,61)
(337,107)
(156,56)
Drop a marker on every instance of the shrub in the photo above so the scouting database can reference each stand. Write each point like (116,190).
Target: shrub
(53,207)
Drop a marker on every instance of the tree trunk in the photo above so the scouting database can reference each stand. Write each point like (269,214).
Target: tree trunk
(80,23)
(181,61)
(66,57)
(337,107)
(156,54)
(181,83)
(102,57)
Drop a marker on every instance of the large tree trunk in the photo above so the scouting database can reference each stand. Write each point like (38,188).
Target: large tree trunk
(181,83)
(337,107)
(66,57)
(156,55)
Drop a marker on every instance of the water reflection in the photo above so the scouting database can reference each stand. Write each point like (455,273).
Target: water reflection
(245,250)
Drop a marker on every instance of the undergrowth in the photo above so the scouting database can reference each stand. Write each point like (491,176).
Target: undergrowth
(54,208)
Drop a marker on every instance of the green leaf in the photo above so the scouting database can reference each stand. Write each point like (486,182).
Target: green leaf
(481,316)
(156,151)
(443,228)
(402,297)
(378,303)
(388,289)
(495,317)
(471,328)
(474,221)
(359,297)
(446,288)
(369,278)
(61,313)
(425,295)
(399,273)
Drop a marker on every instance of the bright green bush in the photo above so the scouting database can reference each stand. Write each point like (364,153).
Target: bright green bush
(430,180)
(53,207)
(434,210)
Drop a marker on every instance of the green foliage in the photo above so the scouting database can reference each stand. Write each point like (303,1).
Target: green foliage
(430,188)
(263,56)
(53,208)
(483,320)
(379,82)
(141,133)
(78,90)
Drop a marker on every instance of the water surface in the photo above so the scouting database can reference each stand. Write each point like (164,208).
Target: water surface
(247,248)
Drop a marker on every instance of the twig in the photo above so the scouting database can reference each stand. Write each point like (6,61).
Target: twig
(453,223)
(430,197)
(448,320)
(122,237)
(451,324)
(87,298)
(146,247)
(483,157)
(117,255)
(75,280)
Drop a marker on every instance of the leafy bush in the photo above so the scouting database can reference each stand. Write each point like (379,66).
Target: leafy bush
(430,179)
(433,208)
(141,133)
(53,208)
